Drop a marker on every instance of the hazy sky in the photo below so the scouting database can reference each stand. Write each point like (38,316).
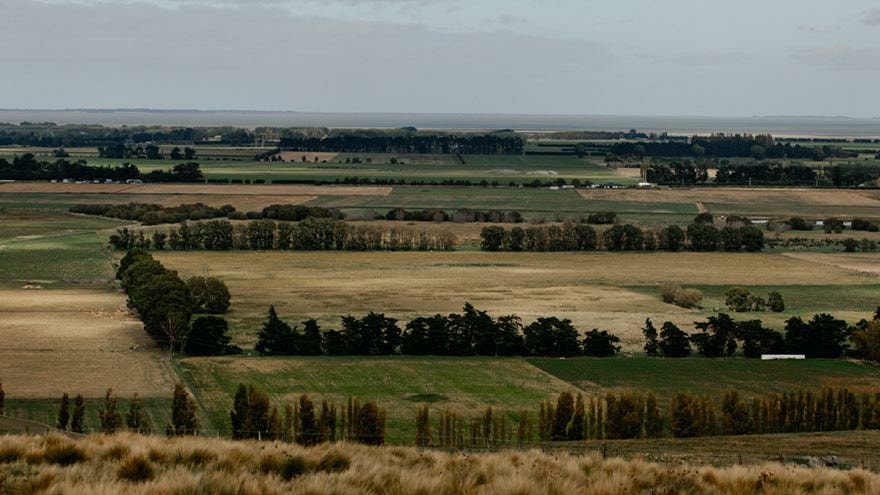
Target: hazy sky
(622,57)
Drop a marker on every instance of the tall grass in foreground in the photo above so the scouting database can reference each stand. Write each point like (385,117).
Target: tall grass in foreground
(135,464)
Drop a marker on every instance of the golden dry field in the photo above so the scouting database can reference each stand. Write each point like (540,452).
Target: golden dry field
(76,341)
(615,291)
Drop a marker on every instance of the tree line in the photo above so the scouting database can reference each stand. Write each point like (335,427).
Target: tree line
(408,141)
(154,214)
(702,237)
(50,135)
(165,304)
(822,336)
(391,181)
(765,173)
(27,167)
(728,146)
(631,415)
(148,152)
(311,234)
(254,417)
(469,333)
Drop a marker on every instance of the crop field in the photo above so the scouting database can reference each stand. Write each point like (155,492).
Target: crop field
(63,328)
(218,162)
(467,385)
(45,248)
(712,377)
(765,202)
(400,384)
(76,341)
(595,290)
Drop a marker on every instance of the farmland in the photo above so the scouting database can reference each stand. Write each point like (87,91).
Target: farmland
(399,384)
(219,163)
(594,290)
(62,313)
(467,385)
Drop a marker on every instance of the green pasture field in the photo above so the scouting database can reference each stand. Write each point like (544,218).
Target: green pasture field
(399,384)
(469,385)
(664,377)
(531,202)
(239,163)
(53,248)
(45,411)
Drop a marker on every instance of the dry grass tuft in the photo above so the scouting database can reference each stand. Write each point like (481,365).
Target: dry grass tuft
(136,469)
(204,465)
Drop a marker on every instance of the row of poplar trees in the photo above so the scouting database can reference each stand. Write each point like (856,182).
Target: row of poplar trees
(254,417)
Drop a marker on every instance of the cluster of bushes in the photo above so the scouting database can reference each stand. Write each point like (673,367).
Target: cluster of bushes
(864,225)
(311,234)
(296,213)
(166,304)
(253,417)
(154,214)
(849,245)
(823,336)
(470,333)
(672,293)
(571,237)
(741,300)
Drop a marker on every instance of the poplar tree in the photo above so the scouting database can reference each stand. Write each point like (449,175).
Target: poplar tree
(136,419)
(240,414)
(109,414)
(79,414)
(64,413)
(562,417)
(423,426)
(184,420)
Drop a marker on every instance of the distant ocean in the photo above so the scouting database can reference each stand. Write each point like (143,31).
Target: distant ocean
(778,126)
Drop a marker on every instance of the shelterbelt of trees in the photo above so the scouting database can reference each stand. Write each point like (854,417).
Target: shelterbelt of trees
(311,234)
(50,135)
(729,146)
(736,236)
(407,140)
(693,172)
(403,140)
(630,415)
(27,167)
(154,214)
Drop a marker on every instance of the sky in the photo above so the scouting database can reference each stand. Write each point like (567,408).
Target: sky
(581,57)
